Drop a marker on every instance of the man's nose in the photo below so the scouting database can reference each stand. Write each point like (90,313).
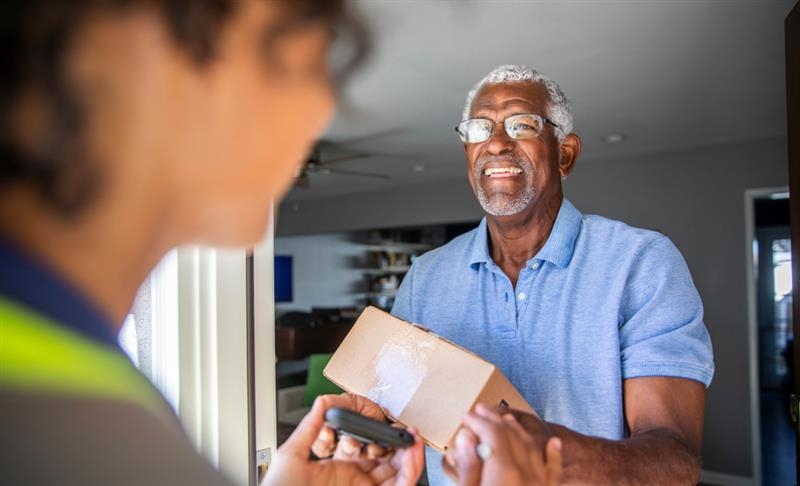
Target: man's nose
(499,142)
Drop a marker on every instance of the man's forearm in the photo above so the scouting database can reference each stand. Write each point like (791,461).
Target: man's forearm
(651,458)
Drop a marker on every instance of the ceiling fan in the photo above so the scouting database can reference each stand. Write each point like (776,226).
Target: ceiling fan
(318,163)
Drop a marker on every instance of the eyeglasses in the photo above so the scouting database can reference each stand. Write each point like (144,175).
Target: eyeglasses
(518,127)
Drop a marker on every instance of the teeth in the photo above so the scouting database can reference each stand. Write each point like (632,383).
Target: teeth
(502,170)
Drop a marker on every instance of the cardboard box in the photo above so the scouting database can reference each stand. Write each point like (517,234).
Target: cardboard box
(420,379)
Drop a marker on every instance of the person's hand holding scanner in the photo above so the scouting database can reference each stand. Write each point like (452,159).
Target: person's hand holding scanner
(293,465)
(329,443)
(494,449)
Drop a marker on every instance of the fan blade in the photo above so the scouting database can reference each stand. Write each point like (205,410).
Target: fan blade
(343,158)
(364,138)
(358,173)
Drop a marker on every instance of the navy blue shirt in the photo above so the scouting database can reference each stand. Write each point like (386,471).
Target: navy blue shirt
(28,281)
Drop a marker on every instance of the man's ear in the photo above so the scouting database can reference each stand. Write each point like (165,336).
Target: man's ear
(569,151)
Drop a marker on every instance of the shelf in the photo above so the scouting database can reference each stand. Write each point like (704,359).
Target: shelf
(383,271)
(397,247)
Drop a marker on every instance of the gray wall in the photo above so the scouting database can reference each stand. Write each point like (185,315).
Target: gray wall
(431,203)
(695,197)
(324,271)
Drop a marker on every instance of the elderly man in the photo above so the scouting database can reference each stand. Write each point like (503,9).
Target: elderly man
(598,324)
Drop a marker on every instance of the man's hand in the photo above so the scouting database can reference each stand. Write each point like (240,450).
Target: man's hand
(511,455)
(540,431)
(292,465)
(665,419)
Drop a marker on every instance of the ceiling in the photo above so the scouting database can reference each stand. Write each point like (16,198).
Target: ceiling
(668,74)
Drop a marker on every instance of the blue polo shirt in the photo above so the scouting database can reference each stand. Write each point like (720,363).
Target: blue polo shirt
(599,303)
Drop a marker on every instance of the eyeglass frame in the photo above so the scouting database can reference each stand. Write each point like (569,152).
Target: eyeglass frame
(503,121)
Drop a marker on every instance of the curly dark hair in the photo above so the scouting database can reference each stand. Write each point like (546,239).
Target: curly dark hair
(34,35)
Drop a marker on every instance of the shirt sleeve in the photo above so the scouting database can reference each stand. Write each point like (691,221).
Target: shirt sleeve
(662,331)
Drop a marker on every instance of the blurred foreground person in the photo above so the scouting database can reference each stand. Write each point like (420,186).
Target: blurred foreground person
(129,128)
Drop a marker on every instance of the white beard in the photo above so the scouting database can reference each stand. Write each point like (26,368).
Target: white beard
(499,204)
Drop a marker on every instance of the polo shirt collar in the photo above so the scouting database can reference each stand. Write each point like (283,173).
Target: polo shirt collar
(557,250)
(561,243)
(479,251)
(29,282)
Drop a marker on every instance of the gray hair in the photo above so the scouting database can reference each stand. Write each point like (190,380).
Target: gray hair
(559,109)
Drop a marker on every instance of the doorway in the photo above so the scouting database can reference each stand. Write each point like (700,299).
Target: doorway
(772,282)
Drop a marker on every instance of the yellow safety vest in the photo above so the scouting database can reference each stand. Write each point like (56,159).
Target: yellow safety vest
(39,356)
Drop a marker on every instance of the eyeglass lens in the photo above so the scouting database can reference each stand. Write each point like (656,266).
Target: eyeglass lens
(517,127)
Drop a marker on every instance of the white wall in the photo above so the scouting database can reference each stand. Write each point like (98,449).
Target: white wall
(324,273)
(696,197)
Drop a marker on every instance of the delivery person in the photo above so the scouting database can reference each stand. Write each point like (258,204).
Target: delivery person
(129,128)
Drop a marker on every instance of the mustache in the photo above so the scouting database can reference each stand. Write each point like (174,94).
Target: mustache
(485,160)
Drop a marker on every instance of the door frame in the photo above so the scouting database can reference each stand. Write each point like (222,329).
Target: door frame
(750,196)
(263,401)
(792,52)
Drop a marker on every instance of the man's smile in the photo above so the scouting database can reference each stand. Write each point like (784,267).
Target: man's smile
(499,172)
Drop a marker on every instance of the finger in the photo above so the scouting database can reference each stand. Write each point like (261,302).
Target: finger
(534,425)
(375,451)
(493,414)
(522,445)
(554,469)
(356,403)
(383,472)
(301,440)
(325,445)
(468,464)
(348,448)
(409,462)
(449,465)
(516,428)
(497,409)
(366,465)
(489,429)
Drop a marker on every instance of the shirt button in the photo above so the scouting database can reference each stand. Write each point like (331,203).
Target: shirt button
(521,296)
(535,265)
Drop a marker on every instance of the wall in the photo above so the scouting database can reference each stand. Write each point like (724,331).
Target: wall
(696,197)
(324,274)
(437,202)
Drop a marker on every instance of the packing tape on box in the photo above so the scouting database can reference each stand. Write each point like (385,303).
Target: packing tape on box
(399,368)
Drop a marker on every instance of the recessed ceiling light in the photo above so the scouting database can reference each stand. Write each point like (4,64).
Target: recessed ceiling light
(418,168)
(614,138)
